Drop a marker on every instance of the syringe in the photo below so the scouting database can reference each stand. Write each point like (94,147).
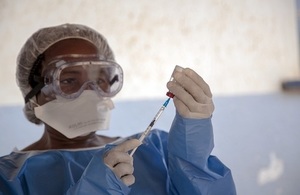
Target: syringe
(160,111)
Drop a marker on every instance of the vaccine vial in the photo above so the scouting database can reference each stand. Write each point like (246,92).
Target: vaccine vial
(179,69)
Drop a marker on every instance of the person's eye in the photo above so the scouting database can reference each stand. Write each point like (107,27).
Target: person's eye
(101,81)
(68,81)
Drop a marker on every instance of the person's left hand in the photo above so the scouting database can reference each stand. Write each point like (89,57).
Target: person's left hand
(193,98)
(120,162)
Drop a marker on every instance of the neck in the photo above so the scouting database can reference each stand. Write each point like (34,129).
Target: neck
(52,139)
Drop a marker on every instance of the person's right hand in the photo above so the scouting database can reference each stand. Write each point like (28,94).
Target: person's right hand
(120,162)
(193,98)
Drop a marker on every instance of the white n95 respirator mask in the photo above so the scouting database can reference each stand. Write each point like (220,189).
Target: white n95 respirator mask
(80,116)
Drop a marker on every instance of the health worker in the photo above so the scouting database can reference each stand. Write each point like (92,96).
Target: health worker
(68,75)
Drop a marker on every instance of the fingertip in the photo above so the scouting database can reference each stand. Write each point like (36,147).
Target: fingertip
(189,71)
(169,84)
(178,68)
(128,180)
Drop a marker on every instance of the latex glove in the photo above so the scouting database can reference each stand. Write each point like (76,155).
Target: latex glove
(193,98)
(120,162)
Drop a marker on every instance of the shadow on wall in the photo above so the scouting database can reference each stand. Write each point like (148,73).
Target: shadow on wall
(256,136)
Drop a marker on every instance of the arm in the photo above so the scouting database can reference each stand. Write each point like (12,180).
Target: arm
(103,174)
(59,172)
(109,172)
(192,169)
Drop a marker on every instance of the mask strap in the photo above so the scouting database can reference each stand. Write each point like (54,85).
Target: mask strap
(33,102)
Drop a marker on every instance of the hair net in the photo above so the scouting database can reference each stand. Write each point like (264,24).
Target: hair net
(40,41)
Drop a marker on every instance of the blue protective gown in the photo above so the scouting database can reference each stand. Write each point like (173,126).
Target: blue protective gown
(178,162)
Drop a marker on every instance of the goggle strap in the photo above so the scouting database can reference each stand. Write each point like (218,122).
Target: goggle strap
(36,89)
(38,79)
(116,78)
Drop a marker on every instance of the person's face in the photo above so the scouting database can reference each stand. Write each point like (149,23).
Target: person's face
(65,47)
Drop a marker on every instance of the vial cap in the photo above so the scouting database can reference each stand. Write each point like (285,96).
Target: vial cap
(169,94)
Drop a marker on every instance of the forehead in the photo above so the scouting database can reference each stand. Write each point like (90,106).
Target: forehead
(70,46)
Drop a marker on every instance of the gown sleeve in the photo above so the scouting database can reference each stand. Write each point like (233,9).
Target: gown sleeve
(99,179)
(192,169)
(59,172)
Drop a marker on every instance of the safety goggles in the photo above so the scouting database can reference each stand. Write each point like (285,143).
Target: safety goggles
(68,76)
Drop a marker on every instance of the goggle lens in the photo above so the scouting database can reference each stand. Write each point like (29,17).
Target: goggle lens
(106,78)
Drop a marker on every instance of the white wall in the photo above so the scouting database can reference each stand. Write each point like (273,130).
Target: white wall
(237,46)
